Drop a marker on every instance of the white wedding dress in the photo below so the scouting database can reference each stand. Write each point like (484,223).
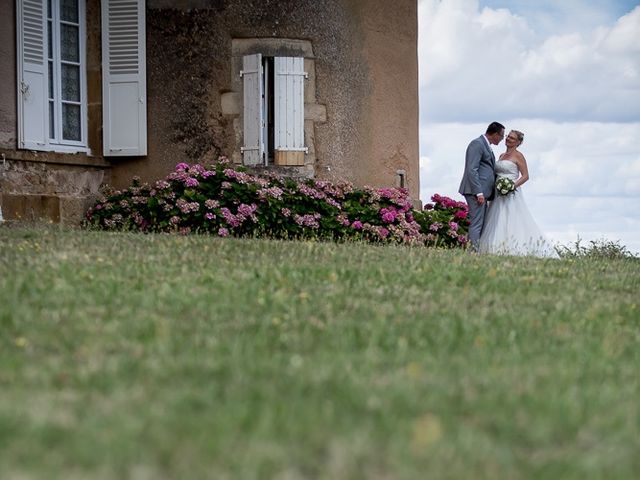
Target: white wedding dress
(509,228)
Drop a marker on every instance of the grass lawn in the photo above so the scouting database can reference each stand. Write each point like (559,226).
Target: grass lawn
(168,357)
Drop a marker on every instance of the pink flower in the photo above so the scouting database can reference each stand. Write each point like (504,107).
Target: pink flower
(333,203)
(308,220)
(182,167)
(240,177)
(196,169)
(273,192)
(388,215)
(211,204)
(230,218)
(186,207)
(461,214)
(223,232)
(453,226)
(357,225)
(247,211)
(311,192)
(209,216)
(343,219)
(191,182)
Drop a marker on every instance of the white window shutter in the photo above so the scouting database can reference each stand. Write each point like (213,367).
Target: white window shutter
(124,78)
(252,79)
(289,104)
(33,118)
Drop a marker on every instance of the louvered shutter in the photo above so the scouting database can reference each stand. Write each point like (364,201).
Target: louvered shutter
(33,121)
(289,109)
(252,80)
(124,79)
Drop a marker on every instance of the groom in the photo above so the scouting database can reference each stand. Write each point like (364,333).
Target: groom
(479,178)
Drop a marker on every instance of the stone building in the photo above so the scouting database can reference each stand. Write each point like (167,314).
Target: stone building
(99,91)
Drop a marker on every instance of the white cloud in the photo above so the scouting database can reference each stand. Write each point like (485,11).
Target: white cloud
(564,219)
(489,64)
(549,17)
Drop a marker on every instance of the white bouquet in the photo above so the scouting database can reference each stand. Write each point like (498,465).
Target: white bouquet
(505,185)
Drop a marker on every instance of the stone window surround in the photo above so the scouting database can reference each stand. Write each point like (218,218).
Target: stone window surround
(231,101)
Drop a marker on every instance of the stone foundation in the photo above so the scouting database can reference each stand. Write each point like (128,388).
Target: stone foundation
(45,192)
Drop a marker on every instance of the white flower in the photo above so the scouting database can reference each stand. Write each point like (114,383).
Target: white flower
(505,185)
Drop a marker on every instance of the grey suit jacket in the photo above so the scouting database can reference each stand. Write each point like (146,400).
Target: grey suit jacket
(479,165)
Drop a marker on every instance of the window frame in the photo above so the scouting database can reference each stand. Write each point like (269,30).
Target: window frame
(32,62)
(271,98)
(58,143)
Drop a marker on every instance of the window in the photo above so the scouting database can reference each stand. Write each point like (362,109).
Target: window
(273,108)
(52,105)
(52,86)
(66,72)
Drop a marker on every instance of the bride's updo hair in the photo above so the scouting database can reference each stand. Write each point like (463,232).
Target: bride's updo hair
(519,134)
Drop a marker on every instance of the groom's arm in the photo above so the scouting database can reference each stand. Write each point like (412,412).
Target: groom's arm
(472,164)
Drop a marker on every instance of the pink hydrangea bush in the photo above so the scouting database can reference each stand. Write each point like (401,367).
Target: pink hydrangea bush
(228,201)
(444,222)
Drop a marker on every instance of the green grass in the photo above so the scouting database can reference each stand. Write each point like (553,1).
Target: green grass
(168,357)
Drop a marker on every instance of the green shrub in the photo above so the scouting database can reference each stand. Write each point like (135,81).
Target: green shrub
(221,200)
(599,249)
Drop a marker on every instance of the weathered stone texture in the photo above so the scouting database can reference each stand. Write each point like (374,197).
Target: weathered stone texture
(189,68)
(42,191)
(8,108)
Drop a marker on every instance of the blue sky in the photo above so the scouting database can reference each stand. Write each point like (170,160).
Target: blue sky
(567,74)
(557,16)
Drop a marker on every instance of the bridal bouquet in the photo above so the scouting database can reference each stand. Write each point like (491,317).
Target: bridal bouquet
(505,185)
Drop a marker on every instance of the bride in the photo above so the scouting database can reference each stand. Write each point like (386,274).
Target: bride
(509,228)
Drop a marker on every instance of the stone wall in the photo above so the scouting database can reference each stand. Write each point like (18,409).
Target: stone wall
(8,88)
(361,104)
(48,186)
(44,191)
(365,83)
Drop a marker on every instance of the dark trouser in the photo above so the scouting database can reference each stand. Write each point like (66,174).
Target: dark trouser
(476,219)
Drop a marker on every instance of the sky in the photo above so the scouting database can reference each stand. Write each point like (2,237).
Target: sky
(567,74)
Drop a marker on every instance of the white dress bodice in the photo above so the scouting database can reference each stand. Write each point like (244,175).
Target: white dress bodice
(507,168)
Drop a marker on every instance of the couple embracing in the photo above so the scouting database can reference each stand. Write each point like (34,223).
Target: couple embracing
(500,221)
